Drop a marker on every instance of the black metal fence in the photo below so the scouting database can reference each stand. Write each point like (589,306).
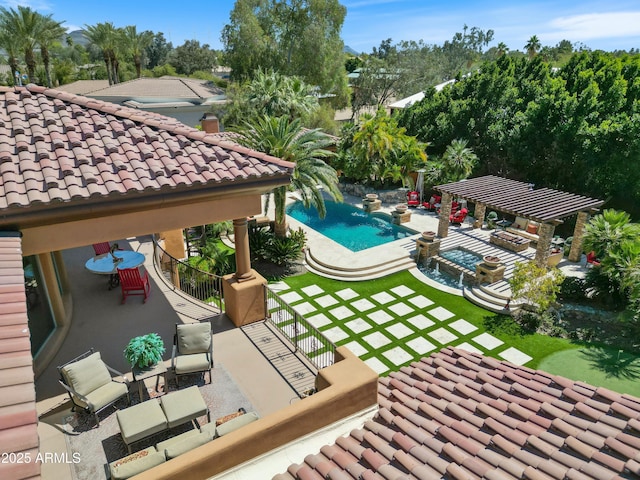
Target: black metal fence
(203,286)
(306,339)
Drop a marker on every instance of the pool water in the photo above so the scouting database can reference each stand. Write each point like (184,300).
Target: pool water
(442,277)
(462,257)
(349,226)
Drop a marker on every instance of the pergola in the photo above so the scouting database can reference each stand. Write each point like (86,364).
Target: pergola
(544,205)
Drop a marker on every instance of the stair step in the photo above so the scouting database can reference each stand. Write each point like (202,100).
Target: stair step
(470,294)
(357,274)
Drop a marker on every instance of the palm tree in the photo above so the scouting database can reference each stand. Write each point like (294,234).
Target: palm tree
(51,33)
(607,231)
(26,26)
(533,46)
(11,45)
(136,44)
(502,49)
(458,160)
(104,36)
(287,139)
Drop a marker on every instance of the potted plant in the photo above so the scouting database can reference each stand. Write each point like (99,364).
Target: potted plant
(144,351)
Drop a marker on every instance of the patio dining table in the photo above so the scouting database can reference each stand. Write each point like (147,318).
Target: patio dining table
(109,263)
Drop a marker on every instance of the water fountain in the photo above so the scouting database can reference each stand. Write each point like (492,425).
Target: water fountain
(461,280)
(437,268)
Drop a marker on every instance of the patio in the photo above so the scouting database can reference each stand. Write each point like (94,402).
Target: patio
(101,322)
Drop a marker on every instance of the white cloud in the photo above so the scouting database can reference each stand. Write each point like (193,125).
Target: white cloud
(597,25)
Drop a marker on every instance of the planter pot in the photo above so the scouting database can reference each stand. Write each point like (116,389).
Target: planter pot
(428,236)
(401,208)
(372,196)
(491,261)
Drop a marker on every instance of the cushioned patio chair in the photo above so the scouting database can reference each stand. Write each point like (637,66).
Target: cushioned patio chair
(90,385)
(413,199)
(192,349)
(132,282)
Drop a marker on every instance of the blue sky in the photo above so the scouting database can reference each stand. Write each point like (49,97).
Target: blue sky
(597,24)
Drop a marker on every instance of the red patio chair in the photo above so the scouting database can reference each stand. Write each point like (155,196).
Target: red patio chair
(433,201)
(413,199)
(101,248)
(458,217)
(592,260)
(133,282)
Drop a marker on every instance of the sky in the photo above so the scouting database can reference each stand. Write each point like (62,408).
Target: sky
(597,24)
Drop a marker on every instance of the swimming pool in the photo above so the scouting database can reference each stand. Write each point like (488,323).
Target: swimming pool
(349,226)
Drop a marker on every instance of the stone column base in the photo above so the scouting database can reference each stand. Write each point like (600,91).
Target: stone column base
(244,301)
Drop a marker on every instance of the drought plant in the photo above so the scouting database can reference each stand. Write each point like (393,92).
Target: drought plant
(145,350)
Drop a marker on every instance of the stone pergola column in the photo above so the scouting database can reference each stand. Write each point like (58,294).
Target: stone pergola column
(545,235)
(478,214)
(575,252)
(445,211)
(243,259)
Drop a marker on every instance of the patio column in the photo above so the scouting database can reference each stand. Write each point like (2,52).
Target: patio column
(545,235)
(445,211)
(575,252)
(478,214)
(243,260)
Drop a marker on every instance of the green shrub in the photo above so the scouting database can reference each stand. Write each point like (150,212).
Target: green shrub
(573,289)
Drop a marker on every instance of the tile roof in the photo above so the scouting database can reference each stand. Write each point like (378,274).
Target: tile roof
(58,148)
(84,87)
(460,415)
(18,417)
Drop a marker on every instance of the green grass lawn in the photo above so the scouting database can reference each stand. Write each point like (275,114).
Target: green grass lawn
(554,355)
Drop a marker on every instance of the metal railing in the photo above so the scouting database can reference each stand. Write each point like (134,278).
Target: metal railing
(306,339)
(203,286)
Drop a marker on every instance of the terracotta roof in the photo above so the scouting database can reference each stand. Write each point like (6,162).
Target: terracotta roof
(519,198)
(459,415)
(58,148)
(18,417)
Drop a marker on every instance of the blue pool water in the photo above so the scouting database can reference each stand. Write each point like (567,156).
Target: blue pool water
(462,257)
(349,226)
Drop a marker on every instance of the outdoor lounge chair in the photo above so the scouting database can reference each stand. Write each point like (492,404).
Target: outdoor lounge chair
(192,349)
(413,199)
(592,260)
(433,201)
(90,385)
(132,282)
(458,217)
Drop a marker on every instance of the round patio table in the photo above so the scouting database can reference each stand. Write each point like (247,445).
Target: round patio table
(108,264)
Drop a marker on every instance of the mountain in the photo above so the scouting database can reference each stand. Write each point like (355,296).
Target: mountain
(78,37)
(350,51)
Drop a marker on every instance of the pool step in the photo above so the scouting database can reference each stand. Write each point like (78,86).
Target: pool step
(484,297)
(357,273)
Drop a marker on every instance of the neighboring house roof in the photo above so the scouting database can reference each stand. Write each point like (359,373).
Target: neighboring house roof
(416,97)
(84,87)
(57,148)
(460,415)
(18,417)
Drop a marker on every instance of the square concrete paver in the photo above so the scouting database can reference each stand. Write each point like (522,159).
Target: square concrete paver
(335,334)
(357,349)
(421,345)
(318,321)
(376,340)
(279,287)
(420,322)
(380,317)
(279,316)
(358,325)
(347,294)
(487,341)
(291,297)
(304,308)
(399,330)
(362,305)
(440,313)
(442,335)
(341,312)
(312,290)
(400,309)
(383,297)
(290,331)
(326,301)
(462,327)
(420,301)
(469,348)
(376,365)
(397,356)
(402,291)
(515,356)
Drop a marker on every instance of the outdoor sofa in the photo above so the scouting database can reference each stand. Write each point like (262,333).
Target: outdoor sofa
(525,228)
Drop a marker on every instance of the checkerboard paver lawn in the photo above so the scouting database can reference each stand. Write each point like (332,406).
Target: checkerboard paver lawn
(356,348)
(402,291)
(469,348)
(421,345)
(380,317)
(440,313)
(278,316)
(312,290)
(326,301)
(290,331)
(383,297)
(442,335)
(341,312)
(376,365)
(515,356)
(358,325)
(279,287)
(400,309)
(399,330)
(291,297)
(304,308)
(397,355)
(376,340)
(320,320)
(347,294)
(462,327)
(362,305)
(420,322)
(420,301)
(487,341)
(335,334)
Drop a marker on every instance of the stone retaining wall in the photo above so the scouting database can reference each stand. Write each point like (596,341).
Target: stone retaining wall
(398,195)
